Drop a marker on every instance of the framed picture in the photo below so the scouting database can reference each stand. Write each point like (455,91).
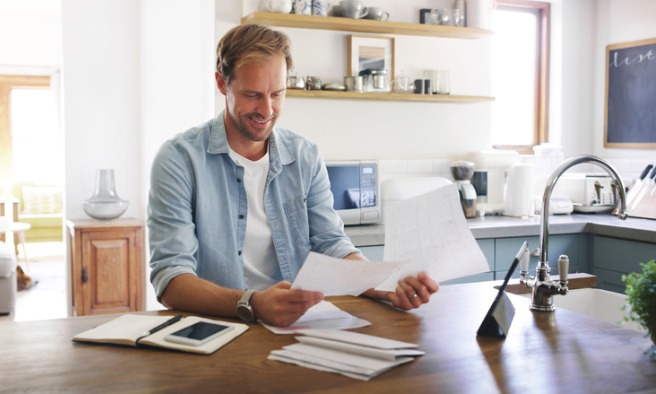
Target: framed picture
(370,52)
(630,119)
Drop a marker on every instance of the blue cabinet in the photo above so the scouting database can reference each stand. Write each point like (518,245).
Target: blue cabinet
(611,258)
(575,246)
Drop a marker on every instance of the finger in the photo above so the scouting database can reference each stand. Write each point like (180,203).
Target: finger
(430,283)
(404,301)
(408,288)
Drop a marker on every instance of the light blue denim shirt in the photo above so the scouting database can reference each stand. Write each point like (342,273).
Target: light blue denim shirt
(197,207)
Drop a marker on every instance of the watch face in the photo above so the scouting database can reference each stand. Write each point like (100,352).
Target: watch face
(245,313)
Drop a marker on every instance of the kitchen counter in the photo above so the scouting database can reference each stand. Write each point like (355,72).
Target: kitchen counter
(635,229)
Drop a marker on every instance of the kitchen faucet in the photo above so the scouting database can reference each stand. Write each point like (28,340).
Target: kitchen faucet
(544,288)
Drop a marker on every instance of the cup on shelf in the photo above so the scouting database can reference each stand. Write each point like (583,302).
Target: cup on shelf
(280,6)
(320,7)
(377,14)
(354,9)
(445,84)
(402,85)
(303,7)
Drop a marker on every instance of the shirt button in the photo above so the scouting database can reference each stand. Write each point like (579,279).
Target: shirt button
(241,216)
(238,180)
(239,253)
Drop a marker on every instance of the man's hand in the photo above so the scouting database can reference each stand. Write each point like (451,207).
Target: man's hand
(280,306)
(412,292)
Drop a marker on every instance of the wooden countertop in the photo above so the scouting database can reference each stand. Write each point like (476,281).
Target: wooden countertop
(563,351)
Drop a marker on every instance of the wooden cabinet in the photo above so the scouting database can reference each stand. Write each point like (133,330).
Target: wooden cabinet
(371,26)
(107,266)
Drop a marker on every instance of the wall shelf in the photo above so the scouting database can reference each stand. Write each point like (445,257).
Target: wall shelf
(341,95)
(362,25)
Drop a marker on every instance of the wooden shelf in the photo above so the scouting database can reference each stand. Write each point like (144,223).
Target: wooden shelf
(362,25)
(436,98)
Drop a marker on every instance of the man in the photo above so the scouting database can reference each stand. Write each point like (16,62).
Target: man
(237,203)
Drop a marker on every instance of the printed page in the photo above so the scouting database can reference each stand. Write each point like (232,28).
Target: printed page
(334,276)
(430,231)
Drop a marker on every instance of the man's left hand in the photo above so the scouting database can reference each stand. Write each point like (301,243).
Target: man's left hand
(412,292)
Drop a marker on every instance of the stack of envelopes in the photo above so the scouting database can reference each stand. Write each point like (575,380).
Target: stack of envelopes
(351,354)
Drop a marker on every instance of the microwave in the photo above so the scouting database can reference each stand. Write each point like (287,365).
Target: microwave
(356,190)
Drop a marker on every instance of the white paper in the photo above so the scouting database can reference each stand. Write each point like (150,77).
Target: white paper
(431,233)
(334,276)
(324,315)
(358,338)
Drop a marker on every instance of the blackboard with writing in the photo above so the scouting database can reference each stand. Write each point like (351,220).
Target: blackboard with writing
(631,95)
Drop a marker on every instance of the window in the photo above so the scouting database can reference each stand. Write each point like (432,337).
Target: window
(30,140)
(520,74)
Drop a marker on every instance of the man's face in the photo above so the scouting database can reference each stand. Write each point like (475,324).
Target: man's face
(254,98)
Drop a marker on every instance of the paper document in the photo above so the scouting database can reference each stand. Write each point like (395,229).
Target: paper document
(355,355)
(323,315)
(334,276)
(431,233)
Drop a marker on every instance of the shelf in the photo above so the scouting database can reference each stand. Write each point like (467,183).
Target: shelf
(362,25)
(436,98)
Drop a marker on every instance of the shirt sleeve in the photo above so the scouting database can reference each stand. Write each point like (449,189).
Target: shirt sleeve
(171,231)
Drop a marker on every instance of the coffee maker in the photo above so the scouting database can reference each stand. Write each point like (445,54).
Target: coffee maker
(489,179)
(462,172)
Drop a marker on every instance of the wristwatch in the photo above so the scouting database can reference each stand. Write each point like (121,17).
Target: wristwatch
(244,308)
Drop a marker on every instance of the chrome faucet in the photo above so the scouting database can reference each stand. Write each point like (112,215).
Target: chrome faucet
(544,288)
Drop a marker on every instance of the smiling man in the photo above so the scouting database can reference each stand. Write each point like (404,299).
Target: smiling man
(237,204)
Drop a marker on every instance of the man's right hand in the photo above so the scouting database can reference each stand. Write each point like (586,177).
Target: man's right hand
(280,306)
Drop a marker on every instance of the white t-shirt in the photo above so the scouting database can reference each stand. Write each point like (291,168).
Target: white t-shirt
(261,268)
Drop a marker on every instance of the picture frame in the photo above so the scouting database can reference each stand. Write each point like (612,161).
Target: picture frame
(370,52)
(629,118)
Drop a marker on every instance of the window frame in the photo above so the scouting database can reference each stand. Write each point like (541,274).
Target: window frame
(541,99)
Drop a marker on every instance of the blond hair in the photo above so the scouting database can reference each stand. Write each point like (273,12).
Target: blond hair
(250,43)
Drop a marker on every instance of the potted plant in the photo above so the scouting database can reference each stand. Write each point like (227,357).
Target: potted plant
(641,300)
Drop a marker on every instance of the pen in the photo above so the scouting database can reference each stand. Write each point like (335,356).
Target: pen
(167,323)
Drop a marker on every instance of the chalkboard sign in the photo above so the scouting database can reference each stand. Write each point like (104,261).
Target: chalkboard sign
(631,95)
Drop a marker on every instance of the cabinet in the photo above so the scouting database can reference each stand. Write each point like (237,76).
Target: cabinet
(371,26)
(107,266)
(613,257)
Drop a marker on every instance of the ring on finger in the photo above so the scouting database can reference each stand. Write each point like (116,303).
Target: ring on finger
(413,296)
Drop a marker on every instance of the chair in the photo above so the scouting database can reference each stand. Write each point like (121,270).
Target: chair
(7,279)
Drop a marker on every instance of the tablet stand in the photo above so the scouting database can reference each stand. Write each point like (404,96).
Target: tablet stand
(500,315)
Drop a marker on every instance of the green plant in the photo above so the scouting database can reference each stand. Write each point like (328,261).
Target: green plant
(641,299)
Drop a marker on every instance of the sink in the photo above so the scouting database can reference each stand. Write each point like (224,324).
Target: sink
(597,303)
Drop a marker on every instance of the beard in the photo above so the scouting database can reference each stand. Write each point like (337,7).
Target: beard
(241,124)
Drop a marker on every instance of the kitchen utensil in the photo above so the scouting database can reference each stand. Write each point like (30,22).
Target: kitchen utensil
(462,172)
(320,7)
(635,189)
(645,190)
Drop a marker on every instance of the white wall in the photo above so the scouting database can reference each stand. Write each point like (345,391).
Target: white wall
(30,36)
(101,111)
(135,74)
